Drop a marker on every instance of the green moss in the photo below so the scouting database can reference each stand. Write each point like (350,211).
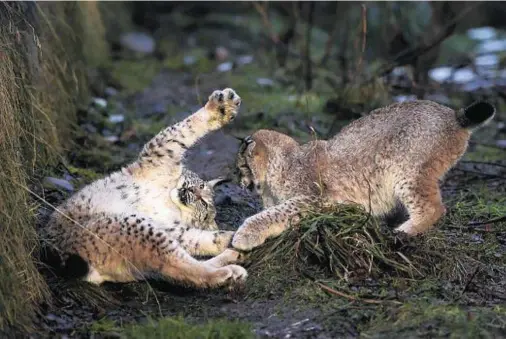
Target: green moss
(424,319)
(135,75)
(485,153)
(86,174)
(177,328)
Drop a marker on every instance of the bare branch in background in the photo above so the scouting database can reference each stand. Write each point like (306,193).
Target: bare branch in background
(307,69)
(408,55)
(330,41)
(262,10)
(364,36)
(287,36)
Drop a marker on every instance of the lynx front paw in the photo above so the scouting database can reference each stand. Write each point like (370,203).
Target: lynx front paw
(227,257)
(246,241)
(223,107)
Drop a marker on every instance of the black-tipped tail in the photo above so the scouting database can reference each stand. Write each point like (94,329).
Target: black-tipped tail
(475,115)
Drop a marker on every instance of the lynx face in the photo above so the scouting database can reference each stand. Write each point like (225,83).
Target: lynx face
(244,172)
(194,197)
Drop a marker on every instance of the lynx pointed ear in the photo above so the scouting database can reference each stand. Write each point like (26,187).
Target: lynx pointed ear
(258,149)
(217,181)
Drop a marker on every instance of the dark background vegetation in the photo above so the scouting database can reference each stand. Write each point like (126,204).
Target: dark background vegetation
(86,84)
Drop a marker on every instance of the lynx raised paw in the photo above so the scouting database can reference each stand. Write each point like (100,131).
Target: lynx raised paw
(223,107)
(246,241)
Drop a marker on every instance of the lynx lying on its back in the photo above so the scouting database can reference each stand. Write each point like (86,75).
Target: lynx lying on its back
(150,217)
(396,153)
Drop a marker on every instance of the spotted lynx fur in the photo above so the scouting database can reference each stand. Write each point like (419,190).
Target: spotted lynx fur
(151,217)
(395,154)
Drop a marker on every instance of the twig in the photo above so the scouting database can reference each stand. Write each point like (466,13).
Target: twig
(410,54)
(491,221)
(308,77)
(350,297)
(265,20)
(486,145)
(329,44)
(490,175)
(482,163)
(364,34)
(468,283)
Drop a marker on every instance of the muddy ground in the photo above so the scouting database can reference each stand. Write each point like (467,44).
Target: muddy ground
(143,93)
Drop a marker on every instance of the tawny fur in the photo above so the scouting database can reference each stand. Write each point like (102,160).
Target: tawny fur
(133,224)
(396,153)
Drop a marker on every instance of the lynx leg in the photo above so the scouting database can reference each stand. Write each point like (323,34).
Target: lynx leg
(423,201)
(203,242)
(169,146)
(126,248)
(227,257)
(268,223)
(182,267)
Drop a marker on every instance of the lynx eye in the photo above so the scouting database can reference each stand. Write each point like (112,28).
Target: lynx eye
(201,186)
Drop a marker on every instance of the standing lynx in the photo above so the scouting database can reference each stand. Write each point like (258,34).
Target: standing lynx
(149,218)
(396,153)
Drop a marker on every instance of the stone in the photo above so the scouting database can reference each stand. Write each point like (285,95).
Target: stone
(138,42)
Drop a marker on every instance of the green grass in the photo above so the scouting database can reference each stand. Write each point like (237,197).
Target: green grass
(42,83)
(134,75)
(176,328)
(424,319)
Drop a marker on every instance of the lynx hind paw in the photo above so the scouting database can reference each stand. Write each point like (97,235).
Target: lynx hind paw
(239,274)
(223,106)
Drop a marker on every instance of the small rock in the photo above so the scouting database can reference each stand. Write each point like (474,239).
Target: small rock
(501,126)
(477,238)
(477,84)
(53,317)
(158,109)
(244,59)
(463,75)
(491,46)
(110,92)
(221,53)
(89,128)
(404,98)
(116,118)
(225,67)
(138,42)
(100,102)
(501,143)
(265,82)
(112,138)
(487,60)
(189,60)
(481,33)
(59,183)
(440,74)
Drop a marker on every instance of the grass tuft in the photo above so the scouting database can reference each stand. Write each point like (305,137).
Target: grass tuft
(343,242)
(42,82)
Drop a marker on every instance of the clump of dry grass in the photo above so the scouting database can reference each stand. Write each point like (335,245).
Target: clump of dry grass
(341,240)
(345,243)
(42,81)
